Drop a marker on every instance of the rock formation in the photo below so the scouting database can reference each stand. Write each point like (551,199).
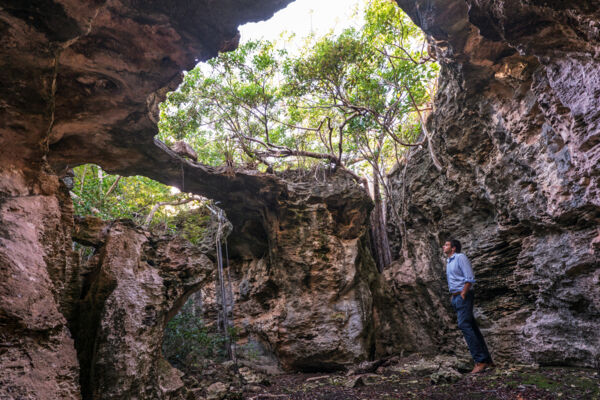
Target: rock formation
(83,79)
(308,298)
(307,293)
(516,124)
(132,286)
(184,150)
(37,286)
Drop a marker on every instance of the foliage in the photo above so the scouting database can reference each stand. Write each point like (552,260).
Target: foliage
(223,110)
(355,100)
(367,84)
(192,225)
(188,341)
(113,197)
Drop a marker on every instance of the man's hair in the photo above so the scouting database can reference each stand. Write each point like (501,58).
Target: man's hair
(455,243)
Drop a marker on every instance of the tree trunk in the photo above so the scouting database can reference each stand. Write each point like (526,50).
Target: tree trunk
(379,240)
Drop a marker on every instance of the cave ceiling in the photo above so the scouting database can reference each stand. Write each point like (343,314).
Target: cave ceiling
(82,81)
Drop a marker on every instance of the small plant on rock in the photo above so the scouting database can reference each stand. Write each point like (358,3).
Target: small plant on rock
(188,341)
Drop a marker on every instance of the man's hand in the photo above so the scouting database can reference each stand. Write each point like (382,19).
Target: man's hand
(465,290)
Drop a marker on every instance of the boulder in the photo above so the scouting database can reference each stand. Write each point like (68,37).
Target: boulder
(307,301)
(184,150)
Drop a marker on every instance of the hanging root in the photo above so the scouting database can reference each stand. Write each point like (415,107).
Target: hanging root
(434,158)
(221,277)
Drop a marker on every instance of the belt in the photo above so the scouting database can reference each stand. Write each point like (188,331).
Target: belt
(457,293)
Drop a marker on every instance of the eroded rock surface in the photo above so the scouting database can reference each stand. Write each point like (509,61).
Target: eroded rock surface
(308,298)
(38,276)
(90,76)
(81,83)
(516,126)
(86,81)
(133,285)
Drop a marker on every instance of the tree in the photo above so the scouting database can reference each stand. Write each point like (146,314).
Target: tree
(228,108)
(355,101)
(373,86)
(139,198)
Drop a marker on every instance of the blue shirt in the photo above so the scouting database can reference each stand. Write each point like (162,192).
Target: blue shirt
(459,272)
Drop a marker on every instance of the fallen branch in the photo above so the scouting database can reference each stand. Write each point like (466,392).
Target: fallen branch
(92,208)
(368,366)
(113,186)
(83,178)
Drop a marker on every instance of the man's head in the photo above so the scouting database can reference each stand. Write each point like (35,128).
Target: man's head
(451,246)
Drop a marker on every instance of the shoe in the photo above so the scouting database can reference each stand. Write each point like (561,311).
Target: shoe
(479,367)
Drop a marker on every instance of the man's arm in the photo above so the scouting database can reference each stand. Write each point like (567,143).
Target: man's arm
(465,290)
(465,266)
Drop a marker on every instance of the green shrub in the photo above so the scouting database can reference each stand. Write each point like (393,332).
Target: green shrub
(193,225)
(188,340)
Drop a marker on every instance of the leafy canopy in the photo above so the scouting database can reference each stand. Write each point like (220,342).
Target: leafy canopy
(352,100)
(112,197)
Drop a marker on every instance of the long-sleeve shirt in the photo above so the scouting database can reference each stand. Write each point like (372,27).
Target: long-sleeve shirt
(459,272)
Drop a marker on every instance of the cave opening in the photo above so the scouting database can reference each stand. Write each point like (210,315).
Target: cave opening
(265,108)
(119,220)
(260,109)
(315,156)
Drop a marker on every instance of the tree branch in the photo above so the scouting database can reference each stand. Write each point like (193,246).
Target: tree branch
(112,187)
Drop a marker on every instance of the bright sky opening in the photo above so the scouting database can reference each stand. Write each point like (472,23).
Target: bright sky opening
(292,25)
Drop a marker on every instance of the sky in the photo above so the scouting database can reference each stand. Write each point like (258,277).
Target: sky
(303,17)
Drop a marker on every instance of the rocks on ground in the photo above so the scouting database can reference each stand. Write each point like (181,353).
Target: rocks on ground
(216,391)
(223,380)
(412,378)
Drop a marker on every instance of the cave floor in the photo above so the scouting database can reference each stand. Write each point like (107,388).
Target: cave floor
(504,382)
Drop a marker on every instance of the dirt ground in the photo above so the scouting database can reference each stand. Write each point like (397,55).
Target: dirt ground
(515,383)
(442,377)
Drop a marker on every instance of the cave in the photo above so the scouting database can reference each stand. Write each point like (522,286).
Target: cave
(515,138)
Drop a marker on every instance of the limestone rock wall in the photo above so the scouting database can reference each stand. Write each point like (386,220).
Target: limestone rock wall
(81,82)
(516,127)
(133,285)
(38,279)
(320,269)
(307,300)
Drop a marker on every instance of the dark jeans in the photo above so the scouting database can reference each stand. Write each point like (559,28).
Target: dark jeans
(469,328)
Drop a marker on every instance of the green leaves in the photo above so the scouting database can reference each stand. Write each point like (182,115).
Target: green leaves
(367,83)
(232,101)
(114,197)
(188,341)
(354,97)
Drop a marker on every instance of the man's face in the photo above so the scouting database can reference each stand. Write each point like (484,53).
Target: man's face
(447,249)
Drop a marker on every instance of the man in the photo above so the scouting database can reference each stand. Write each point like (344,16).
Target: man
(460,282)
